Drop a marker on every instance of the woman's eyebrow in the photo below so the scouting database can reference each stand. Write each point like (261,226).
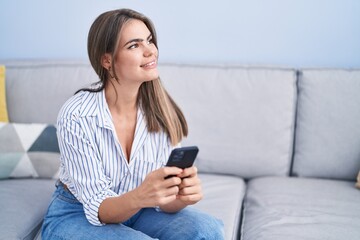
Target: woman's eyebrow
(138,40)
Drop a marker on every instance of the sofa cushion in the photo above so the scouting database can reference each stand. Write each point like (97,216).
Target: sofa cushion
(301,208)
(241,118)
(218,202)
(28,150)
(55,82)
(223,197)
(3,108)
(23,205)
(328,124)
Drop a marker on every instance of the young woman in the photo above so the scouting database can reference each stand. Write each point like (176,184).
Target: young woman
(115,139)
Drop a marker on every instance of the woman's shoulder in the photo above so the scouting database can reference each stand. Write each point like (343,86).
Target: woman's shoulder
(81,104)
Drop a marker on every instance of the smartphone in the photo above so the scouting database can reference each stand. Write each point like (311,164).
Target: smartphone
(183,157)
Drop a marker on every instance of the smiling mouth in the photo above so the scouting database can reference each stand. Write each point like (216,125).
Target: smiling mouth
(150,64)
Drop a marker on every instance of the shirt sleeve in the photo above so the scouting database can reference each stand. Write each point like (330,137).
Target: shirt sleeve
(82,163)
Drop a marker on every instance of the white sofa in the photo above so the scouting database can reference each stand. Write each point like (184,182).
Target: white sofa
(279,147)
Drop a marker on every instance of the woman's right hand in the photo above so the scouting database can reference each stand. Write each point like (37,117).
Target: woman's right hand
(155,190)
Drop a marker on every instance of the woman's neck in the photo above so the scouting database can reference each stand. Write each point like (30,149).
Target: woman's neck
(121,99)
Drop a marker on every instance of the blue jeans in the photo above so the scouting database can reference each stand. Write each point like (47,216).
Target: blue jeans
(66,219)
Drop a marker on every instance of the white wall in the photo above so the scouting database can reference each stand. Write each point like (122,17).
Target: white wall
(295,33)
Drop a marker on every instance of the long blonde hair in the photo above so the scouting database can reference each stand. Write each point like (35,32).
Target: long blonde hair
(161,112)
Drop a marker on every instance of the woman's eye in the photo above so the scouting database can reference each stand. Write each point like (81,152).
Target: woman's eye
(133,46)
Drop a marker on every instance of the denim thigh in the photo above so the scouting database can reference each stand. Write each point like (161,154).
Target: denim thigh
(66,220)
(187,224)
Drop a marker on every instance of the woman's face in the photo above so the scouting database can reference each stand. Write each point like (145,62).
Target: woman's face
(136,58)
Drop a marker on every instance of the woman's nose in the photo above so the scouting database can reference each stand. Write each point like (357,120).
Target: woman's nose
(149,50)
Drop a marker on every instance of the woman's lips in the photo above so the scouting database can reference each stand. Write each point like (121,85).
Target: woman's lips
(151,64)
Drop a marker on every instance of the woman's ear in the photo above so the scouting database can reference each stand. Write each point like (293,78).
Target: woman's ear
(106,61)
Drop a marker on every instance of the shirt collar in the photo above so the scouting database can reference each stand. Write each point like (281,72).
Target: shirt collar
(104,115)
(105,121)
(141,133)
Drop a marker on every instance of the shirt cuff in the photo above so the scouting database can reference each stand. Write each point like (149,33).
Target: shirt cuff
(91,209)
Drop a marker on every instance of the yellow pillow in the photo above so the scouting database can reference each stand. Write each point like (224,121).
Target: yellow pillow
(358,181)
(3,110)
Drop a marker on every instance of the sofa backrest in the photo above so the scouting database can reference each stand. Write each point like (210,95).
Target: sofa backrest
(241,118)
(36,90)
(327,141)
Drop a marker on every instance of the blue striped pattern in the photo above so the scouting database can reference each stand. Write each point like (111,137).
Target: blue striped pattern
(93,165)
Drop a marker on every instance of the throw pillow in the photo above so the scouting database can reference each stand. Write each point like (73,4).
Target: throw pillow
(28,151)
(3,110)
(358,181)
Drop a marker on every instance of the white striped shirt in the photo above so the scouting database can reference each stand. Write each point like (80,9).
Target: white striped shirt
(93,164)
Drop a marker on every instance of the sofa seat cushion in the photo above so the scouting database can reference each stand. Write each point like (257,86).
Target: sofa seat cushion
(297,208)
(23,204)
(223,197)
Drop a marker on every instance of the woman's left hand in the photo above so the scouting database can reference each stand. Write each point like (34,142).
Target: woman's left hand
(190,191)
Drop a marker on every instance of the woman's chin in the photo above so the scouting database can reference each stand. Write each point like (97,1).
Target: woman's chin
(152,77)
